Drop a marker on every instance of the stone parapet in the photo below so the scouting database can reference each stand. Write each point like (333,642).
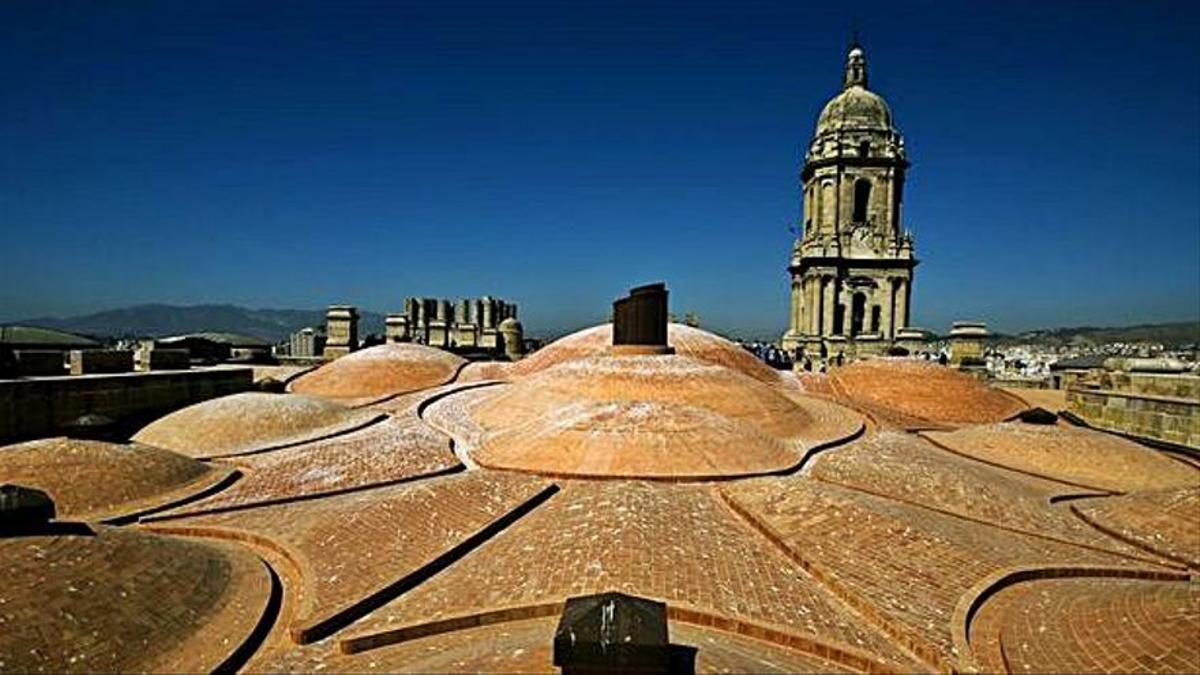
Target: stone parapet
(1173,419)
(46,406)
(86,361)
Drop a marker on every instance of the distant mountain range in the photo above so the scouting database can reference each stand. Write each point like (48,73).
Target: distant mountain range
(277,324)
(163,320)
(1168,334)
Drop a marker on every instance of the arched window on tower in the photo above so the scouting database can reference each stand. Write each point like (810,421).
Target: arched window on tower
(858,306)
(875,310)
(862,197)
(864,148)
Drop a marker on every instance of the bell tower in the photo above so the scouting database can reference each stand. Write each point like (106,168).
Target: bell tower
(852,266)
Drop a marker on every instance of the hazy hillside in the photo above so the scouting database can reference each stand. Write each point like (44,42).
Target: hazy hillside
(1168,334)
(160,320)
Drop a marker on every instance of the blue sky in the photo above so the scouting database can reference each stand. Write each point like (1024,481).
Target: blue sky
(296,154)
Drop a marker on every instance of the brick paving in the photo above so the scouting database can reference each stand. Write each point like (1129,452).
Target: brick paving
(249,422)
(349,546)
(1082,456)
(1164,521)
(387,451)
(687,341)
(93,480)
(526,647)
(379,371)
(125,600)
(650,416)
(674,543)
(904,565)
(916,389)
(908,468)
(1091,625)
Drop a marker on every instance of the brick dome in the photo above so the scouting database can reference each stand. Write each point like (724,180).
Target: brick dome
(379,371)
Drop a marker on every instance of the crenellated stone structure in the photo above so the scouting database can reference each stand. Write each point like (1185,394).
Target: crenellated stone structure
(465,324)
(852,266)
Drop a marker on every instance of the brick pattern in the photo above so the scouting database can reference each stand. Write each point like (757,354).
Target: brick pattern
(526,647)
(125,600)
(95,480)
(1080,456)
(387,451)
(1164,521)
(249,422)
(905,566)
(349,546)
(926,391)
(661,417)
(1091,625)
(380,371)
(687,341)
(908,468)
(674,543)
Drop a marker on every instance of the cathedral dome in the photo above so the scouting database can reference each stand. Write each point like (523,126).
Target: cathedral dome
(856,107)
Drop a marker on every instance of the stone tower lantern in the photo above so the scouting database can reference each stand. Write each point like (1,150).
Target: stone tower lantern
(852,266)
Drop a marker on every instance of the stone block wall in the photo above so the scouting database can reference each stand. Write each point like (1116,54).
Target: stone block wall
(84,361)
(44,406)
(1139,412)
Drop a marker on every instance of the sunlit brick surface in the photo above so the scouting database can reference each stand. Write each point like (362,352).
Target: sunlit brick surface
(674,543)
(386,451)
(905,467)
(249,422)
(351,545)
(1164,521)
(125,600)
(687,341)
(379,371)
(924,391)
(1082,456)
(910,565)
(650,416)
(94,480)
(1091,625)
(525,647)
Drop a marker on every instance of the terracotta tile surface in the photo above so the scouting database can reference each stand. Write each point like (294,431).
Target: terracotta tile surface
(386,451)
(96,480)
(908,468)
(1163,521)
(673,543)
(348,546)
(922,390)
(649,416)
(378,371)
(909,565)
(526,647)
(687,341)
(1053,400)
(1091,626)
(125,600)
(1082,456)
(249,422)
(485,370)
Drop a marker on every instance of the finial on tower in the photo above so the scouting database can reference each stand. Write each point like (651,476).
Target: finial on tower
(856,64)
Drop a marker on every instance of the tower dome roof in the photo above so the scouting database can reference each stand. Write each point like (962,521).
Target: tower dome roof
(855,107)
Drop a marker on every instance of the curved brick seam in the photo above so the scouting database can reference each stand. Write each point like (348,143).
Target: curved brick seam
(828,650)
(978,521)
(1115,534)
(907,641)
(387,397)
(291,444)
(262,628)
(691,478)
(227,480)
(997,465)
(970,602)
(450,470)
